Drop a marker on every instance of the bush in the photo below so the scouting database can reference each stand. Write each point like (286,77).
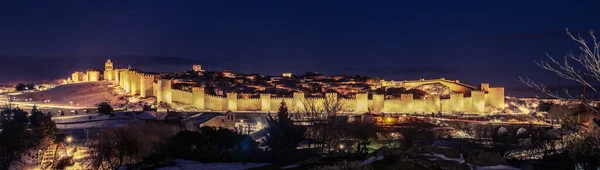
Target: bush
(105,108)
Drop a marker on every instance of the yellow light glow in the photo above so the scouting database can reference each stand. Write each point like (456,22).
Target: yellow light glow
(389,120)
(341,146)
(69,139)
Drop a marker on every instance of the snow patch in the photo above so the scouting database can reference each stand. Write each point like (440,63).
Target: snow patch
(371,160)
(442,156)
(188,164)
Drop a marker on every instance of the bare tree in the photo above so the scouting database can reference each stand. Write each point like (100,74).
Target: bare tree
(322,120)
(583,68)
(127,145)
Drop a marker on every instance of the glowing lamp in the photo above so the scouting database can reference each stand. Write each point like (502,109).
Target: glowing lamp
(388,120)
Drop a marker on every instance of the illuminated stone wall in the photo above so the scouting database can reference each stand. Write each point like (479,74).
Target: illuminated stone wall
(232,101)
(477,101)
(251,104)
(77,77)
(108,75)
(134,83)
(166,91)
(457,102)
(214,102)
(117,76)
(181,96)
(496,97)
(362,103)
(349,104)
(156,91)
(454,85)
(265,102)
(378,103)
(145,85)
(108,70)
(406,101)
(297,104)
(276,102)
(198,97)
(93,75)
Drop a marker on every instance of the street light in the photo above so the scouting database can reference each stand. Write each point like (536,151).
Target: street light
(69,139)
(40,158)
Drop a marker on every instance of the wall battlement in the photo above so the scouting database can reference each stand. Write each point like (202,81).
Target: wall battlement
(146,85)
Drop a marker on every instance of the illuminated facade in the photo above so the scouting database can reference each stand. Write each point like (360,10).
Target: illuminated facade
(462,99)
(108,71)
(93,75)
(197,68)
(77,77)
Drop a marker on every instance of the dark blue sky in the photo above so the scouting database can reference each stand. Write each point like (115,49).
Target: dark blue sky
(474,41)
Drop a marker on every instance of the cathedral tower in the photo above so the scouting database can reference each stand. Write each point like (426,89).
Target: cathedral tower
(108,70)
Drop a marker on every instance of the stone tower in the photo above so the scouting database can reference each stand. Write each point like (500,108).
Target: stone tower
(108,70)
(108,65)
(196,67)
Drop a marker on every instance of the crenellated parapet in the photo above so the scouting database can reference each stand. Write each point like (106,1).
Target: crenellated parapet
(216,103)
(378,103)
(457,102)
(496,97)
(298,98)
(477,101)
(165,88)
(484,87)
(198,97)
(135,82)
(93,75)
(406,100)
(146,81)
(434,104)
(265,102)
(232,101)
(362,102)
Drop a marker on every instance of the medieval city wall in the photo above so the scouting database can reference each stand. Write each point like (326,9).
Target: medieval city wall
(161,89)
(276,102)
(146,85)
(181,96)
(214,102)
(251,104)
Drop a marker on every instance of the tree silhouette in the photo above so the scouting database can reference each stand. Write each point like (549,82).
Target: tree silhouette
(282,133)
(18,134)
(105,108)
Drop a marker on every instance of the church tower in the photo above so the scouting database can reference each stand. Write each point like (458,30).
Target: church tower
(108,65)
(108,70)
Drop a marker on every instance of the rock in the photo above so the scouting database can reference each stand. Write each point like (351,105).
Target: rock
(480,158)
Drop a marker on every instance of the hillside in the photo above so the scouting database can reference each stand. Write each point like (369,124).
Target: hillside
(85,94)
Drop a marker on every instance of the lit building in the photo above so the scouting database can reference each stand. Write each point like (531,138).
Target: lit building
(77,77)
(93,75)
(108,71)
(197,68)
(446,96)
(287,75)
(213,119)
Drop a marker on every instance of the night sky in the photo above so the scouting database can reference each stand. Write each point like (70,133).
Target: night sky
(473,41)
